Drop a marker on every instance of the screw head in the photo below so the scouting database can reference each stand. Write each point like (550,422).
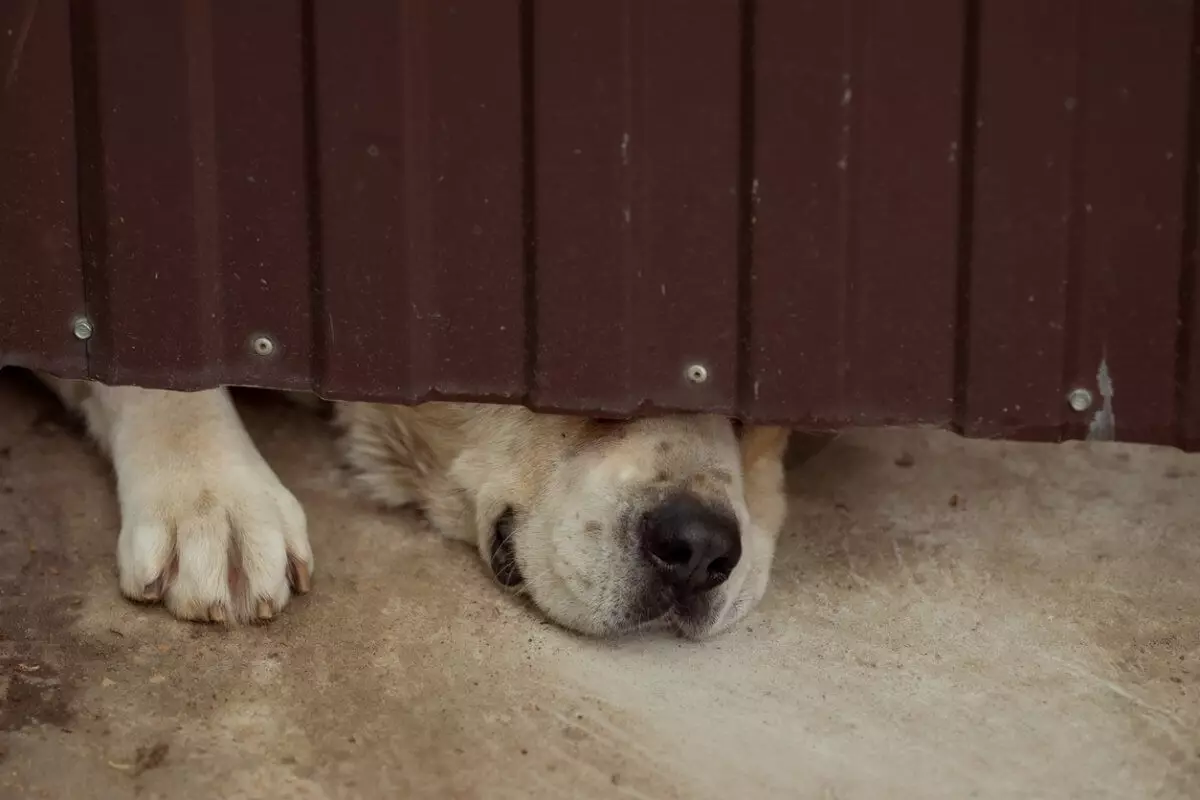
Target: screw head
(262,346)
(1079,399)
(82,328)
(696,373)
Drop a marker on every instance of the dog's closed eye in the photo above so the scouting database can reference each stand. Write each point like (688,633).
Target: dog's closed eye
(502,553)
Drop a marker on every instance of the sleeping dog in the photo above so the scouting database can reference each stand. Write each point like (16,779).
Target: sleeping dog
(607,526)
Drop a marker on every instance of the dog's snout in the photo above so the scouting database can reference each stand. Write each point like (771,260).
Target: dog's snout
(693,546)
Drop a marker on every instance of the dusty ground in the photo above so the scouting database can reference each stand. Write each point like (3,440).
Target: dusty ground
(948,619)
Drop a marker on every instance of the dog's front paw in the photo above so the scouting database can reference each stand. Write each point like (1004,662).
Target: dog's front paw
(217,539)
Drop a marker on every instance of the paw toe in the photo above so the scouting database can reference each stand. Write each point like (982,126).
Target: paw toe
(299,574)
(235,555)
(266,609)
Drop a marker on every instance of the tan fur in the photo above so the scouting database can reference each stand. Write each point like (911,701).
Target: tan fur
(455,462)
(569,478)
(208,529)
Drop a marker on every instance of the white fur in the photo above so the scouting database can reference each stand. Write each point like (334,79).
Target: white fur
(206,526)
(208,529)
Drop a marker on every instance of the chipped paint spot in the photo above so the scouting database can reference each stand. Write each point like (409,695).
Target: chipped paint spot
(1104,421)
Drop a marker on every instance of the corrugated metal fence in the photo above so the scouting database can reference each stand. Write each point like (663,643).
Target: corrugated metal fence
(856,212)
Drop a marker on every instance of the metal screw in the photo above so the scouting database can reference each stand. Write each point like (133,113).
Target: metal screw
(82,328)
(697,373)
(262,346)
(1079,399)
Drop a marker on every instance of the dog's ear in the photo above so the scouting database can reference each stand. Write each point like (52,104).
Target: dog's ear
(389,449)
(762,449)
(759,442)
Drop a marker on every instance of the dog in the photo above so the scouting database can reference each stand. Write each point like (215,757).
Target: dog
(606,526)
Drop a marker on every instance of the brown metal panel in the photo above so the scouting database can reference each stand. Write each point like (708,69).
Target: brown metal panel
(1187,430)
(846,213)
(853,292)
(149,210)
(636,109)
(803,108)
(41,284)
(419,110)
(1082,125)
(262,191)
(1026,107)
(193,199)
(1134,121)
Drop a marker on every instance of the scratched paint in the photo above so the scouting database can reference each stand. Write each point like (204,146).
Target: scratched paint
(1104,422)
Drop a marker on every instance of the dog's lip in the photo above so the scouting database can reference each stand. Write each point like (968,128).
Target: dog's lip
(502,553)
(691,618)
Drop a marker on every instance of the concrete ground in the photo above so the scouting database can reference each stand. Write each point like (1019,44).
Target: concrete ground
(948,619)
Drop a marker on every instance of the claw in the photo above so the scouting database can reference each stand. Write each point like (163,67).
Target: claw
(153,591)
(216,612)
(266,609)
(298,574)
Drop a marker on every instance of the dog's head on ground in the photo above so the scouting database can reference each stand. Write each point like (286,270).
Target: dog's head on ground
(607,526)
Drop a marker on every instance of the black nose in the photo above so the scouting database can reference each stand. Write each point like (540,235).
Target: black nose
(693,546)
